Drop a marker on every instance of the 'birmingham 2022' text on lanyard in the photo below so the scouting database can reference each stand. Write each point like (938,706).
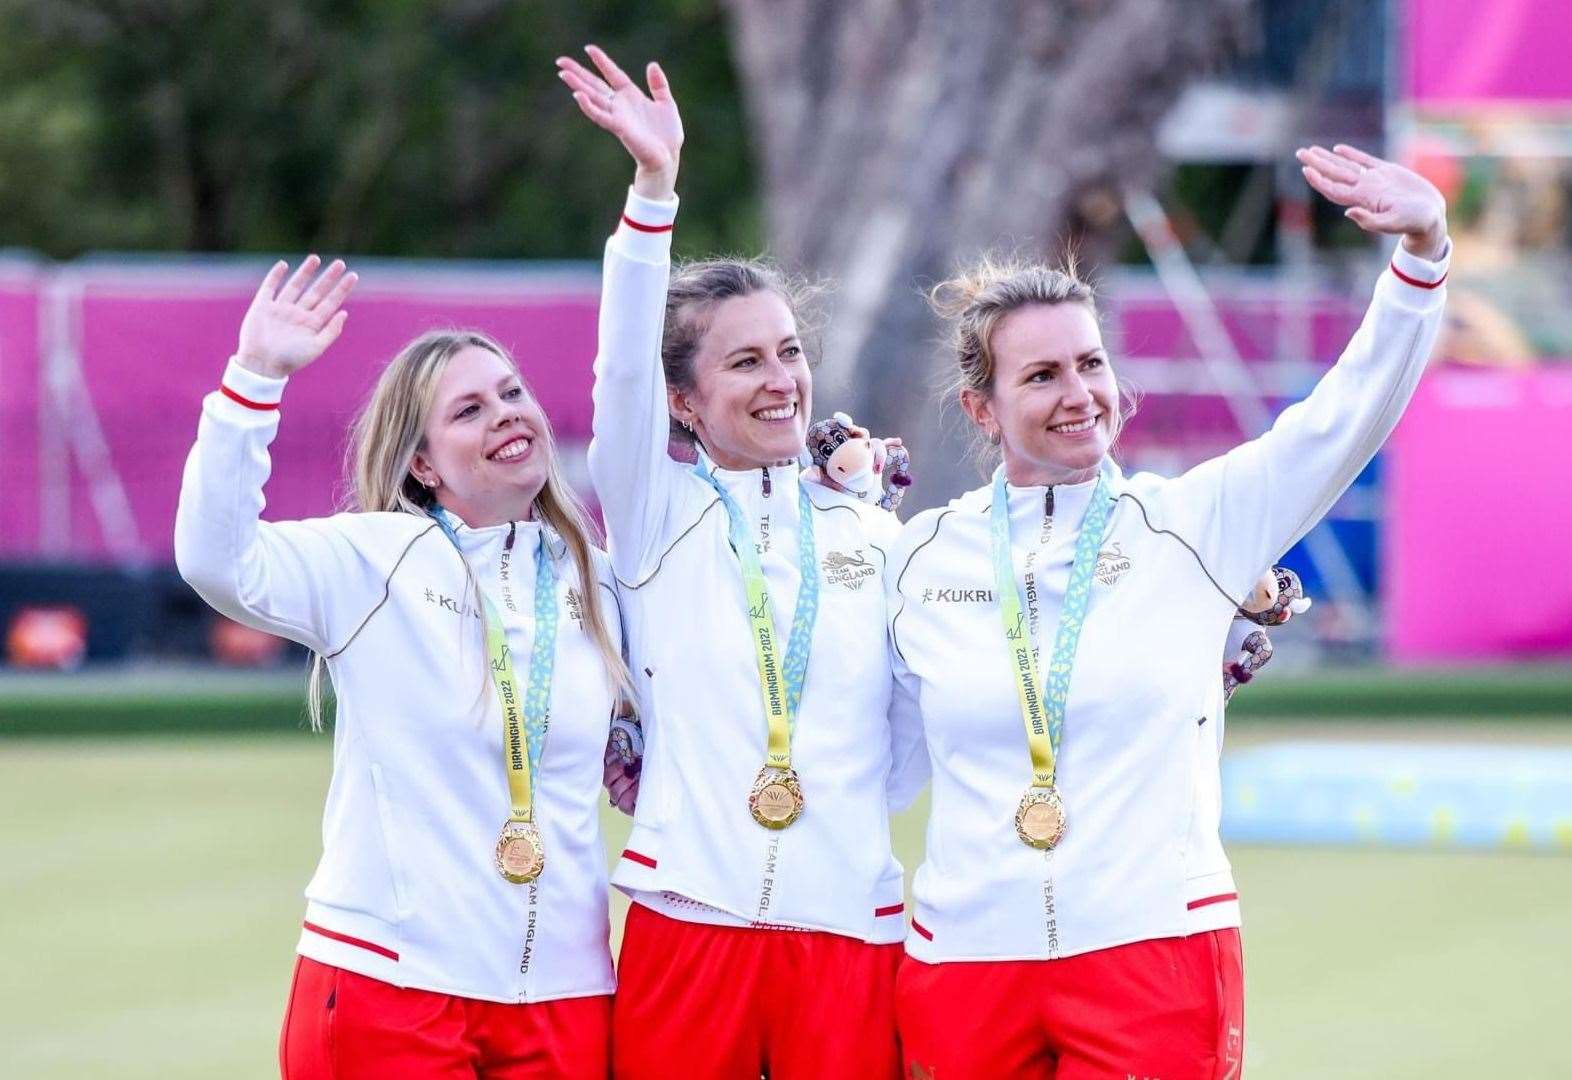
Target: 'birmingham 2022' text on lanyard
(521,854)
(776,799)
(1040,818)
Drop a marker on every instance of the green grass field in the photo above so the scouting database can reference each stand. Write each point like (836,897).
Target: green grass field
(151,899)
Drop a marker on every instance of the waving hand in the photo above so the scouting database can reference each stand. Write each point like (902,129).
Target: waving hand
(1381,196)
(647,124)
(288,324)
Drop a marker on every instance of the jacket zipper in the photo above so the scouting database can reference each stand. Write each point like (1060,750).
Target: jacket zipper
(766,472)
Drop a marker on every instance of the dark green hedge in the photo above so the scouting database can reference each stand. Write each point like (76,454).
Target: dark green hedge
(199,702)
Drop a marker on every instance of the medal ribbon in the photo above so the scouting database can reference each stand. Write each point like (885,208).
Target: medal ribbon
(524,721)
(780,685)
(1044,717)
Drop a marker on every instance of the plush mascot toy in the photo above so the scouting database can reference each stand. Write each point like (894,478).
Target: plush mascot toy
(1277,597)
(624,759)
(849,458)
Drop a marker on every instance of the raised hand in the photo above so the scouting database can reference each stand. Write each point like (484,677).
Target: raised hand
(288,324)
(1381,196)
(648,125)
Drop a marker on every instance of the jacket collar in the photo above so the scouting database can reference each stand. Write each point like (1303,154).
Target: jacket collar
(1109,471)
(781,476)
(526,534)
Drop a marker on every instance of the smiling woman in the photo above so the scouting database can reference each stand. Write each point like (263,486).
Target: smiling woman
(484,472)
(1032,332)
(465,564)
(1085,610)
(452,427)
(738,377)
(767,903)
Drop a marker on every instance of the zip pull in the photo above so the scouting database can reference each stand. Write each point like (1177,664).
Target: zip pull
(513,528)
(1047,527)
(766,471)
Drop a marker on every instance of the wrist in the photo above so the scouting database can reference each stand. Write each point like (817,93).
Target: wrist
(271,369)
(657,184)
(1429,245)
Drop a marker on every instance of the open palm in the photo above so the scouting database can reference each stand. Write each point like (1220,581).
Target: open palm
(288,324)
(1381,196)
(647,124)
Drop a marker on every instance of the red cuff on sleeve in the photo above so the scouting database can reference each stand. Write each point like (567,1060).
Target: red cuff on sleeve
(641,227)
(1415,282)
(259,406)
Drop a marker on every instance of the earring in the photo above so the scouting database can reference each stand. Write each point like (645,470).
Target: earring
(994,435)
(688,424)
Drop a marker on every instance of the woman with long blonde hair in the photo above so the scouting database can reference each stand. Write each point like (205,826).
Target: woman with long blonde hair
(457,922)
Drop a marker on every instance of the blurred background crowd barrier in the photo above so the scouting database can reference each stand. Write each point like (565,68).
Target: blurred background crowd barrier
(103,363)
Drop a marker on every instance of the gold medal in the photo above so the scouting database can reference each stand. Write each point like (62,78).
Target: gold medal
(520,854)
(776,799)
(1039,820)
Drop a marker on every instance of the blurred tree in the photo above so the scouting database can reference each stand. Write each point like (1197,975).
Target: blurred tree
(392,127)
(895,138)
(898,138)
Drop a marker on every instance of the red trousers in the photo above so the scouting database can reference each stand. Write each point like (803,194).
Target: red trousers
(1170,1008)
(344,1026)
(731,1003)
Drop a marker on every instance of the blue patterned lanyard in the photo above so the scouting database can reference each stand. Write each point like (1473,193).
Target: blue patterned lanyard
(780,703)
(524,730)
(1045,719)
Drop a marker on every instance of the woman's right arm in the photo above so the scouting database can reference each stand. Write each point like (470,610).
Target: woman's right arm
(628,456)
(1248,506)
(274,577)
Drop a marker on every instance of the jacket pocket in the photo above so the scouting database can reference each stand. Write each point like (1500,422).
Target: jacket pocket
(657,800)
(389,840)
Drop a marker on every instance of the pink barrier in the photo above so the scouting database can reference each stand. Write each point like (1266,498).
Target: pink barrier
(1479,497)
(1144,324)
(19,285)
(1462,52)
(154,340)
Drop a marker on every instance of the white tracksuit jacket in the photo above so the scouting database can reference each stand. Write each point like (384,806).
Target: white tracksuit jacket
(406,891)
(691,648)
(1138,763)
